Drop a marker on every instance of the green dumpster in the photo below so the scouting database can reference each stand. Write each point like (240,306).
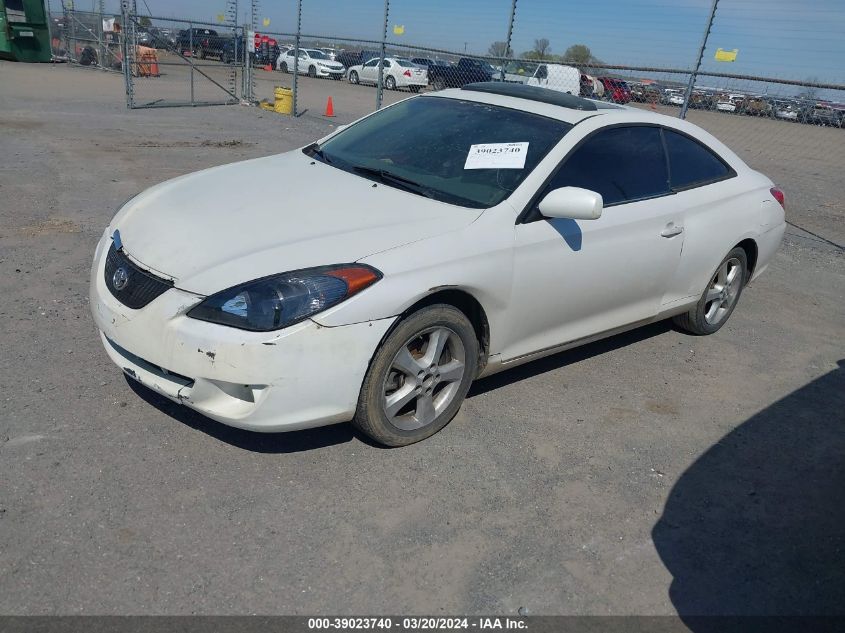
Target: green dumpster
(24,33)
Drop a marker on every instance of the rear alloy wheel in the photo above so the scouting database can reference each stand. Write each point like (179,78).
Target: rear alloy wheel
(719,298)
(390,83)
(419,377)
(353,77)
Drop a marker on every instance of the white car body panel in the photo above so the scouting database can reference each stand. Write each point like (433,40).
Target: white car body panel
(544,285)
(416,75)
(168,228)
(323,67)
(557,77)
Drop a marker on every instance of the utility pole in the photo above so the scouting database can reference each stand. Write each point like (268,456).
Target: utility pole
(508,38)
(381,59)
(694,74)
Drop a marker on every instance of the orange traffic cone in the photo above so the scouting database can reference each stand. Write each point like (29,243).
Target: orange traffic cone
(268,67)
(329,108)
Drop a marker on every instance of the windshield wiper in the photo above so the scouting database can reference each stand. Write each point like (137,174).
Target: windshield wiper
(314,150)
(396,180)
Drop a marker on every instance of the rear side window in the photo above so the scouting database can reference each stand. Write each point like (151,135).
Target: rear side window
(622,164)
(691,163)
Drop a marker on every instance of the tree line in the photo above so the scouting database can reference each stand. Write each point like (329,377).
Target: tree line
(577,54)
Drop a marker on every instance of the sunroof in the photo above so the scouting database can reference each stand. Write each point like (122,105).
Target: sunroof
(534,93)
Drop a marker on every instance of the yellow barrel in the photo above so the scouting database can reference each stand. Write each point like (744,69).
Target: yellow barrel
(284,100)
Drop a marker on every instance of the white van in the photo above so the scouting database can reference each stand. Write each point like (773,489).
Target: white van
(557,77)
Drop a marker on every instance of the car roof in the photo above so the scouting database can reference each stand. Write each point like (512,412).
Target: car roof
(550,105)
(611,114)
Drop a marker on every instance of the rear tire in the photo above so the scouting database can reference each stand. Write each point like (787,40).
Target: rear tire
(353,77)
(390,83)
(284,68)
(438,84)
(719,298)
(418,377)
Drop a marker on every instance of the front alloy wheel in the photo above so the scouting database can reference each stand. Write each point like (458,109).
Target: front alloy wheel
(419,377)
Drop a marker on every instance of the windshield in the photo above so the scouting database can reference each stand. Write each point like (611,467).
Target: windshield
(317,54)
(427,141)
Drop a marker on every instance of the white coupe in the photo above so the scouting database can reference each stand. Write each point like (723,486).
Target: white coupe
(373,275)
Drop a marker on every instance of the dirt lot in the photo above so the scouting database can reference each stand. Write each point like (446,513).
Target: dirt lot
(652,473)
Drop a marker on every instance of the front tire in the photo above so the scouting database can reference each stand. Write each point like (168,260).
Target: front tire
(312,72)
(353,77)
(719,299)
(284,68)
(418,377)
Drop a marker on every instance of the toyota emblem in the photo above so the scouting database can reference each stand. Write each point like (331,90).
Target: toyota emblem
(120,279)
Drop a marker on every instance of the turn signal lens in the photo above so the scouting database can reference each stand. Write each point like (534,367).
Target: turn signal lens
(356,277)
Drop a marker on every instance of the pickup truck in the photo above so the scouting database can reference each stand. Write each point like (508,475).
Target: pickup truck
(202,43)
(466,71)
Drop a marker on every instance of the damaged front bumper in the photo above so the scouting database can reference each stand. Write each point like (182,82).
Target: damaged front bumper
(302,376)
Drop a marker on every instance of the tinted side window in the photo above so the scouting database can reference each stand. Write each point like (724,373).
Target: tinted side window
(691,162)
(622,164)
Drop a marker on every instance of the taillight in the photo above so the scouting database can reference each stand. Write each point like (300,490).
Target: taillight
(778,195)
(407,73)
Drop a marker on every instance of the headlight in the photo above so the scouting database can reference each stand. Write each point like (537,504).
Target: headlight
(278,301)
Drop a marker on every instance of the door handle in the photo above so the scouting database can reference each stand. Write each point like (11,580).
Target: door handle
(671,231)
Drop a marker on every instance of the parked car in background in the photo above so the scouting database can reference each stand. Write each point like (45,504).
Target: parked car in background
(201,43)
(356,58)
(676,98)
(234,50)
(331,53)
(701,100)
(615,90)
(756,106)
(312,62)
(425,62)
(466,71)
(557,77)
(824,114)
(729,102)
(787,110)
(402,266)
(516,71)
(398,73)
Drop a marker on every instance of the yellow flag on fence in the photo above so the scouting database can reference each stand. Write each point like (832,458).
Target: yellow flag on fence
(221,17)
(726,56)
(266,22)
(398,29)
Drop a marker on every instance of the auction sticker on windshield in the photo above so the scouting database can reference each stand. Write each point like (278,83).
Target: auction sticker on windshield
(497,156)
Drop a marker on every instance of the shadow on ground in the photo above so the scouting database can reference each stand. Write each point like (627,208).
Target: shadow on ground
(291,442)
(296,441)
(757,524)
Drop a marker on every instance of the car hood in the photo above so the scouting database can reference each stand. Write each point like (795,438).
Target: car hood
(216,228)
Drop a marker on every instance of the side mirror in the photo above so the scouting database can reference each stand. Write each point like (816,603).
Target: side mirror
(573,203)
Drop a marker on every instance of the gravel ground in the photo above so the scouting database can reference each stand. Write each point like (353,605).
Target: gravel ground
(651,473)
